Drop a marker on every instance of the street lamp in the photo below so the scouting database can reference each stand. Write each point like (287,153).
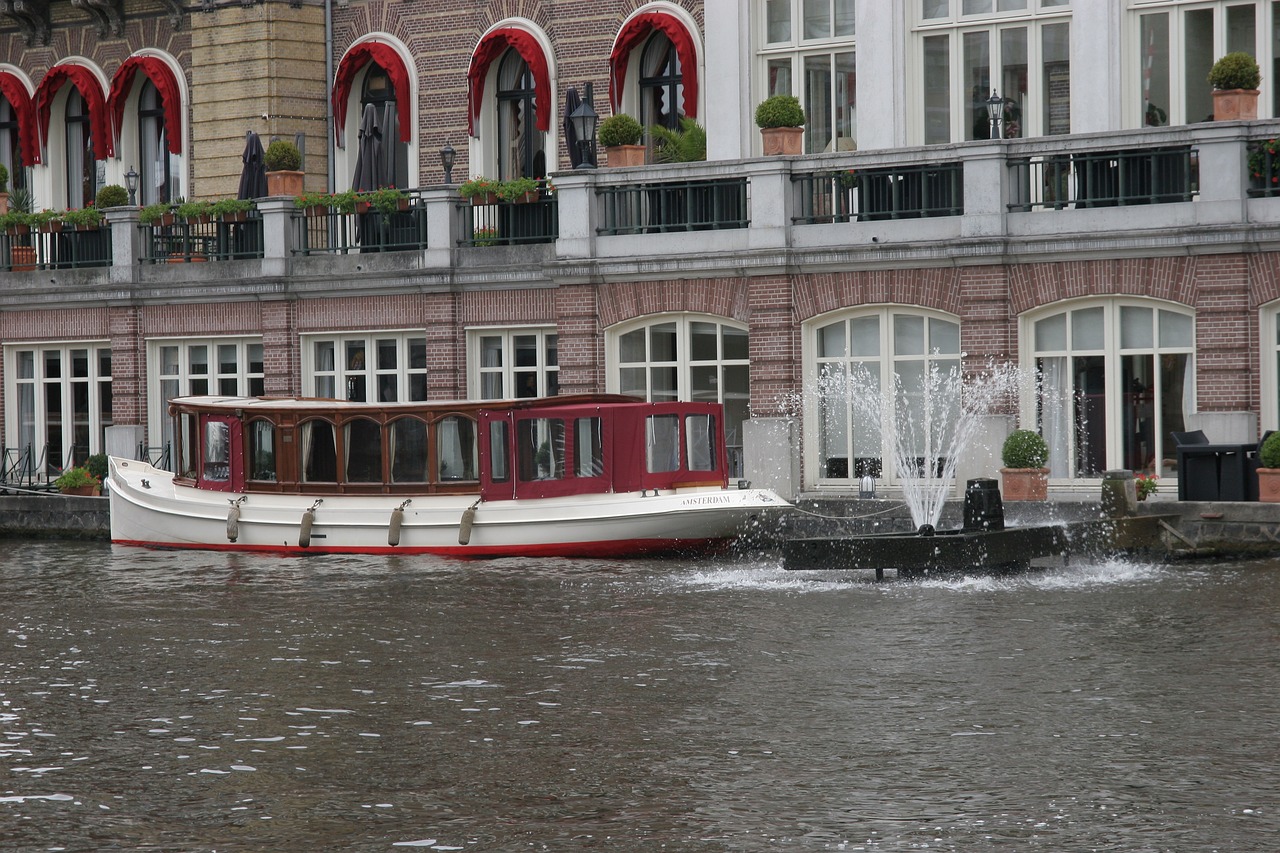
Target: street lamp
(131,184)
(995,112)
(447,158)
(584,120)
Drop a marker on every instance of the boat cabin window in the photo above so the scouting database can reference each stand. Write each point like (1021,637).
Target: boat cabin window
(457,454)
(700,439)
(540,449)
(189,441)
(362,444)
(217,452)
(408,447)
(499,451)
(588,448)
(319,453)
(262,451)
(662,443)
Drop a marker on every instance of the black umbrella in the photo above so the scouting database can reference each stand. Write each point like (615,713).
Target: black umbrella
(571,103)
(253,177)
(370,171)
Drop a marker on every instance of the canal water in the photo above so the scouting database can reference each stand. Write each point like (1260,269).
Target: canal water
(212,702)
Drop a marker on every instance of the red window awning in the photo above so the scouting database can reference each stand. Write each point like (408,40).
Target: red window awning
(15,92)
(636,31)
(87,84)
(161,76)
(493,46)
(386,57)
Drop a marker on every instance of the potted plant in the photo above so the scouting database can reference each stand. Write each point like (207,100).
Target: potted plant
(1269,469)
(518,190)
(781,122)
(96,465)
(484,237)
(195,212)
(155,214)
(17,223)
(111,195)
(83,219)
(1024,477)
(621,135)
(1145,485)
(480,190)
(47,221)
(688,144)
(231,209)
(78,481)
(283,161)
(386,200)
(1235,78)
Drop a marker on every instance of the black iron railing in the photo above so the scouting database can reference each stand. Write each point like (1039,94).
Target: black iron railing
(667,206)
(868,195)
(174,241)
(1264,169)
(323,230)
(508,223)
(1105,178)
(68,248)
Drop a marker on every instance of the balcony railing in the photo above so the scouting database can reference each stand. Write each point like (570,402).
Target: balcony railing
(177,241)
(56,250)
(507,223)
(322,230)
(868,195)
(1105,178)
(667,206)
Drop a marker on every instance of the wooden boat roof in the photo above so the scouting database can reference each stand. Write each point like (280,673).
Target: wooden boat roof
(249,405)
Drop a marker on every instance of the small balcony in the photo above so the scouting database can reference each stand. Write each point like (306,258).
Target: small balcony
(1210,184)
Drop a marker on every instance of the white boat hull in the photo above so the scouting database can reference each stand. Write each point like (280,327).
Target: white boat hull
(149,509)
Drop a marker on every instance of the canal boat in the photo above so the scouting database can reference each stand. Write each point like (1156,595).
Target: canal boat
(575,476)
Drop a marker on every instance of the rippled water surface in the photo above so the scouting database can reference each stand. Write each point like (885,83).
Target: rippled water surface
(167,701)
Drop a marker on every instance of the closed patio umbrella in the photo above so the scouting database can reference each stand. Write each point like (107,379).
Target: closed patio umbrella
(571,103)
(253,175)
(369,174)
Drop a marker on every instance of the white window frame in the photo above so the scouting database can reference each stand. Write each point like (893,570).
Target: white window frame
(886,359)
(1269,369)
(508,372)
(737,410)
(404,373)
(1112,354)
(798,50)
(955,26)
(1264,21)
(248,382)
(95,380)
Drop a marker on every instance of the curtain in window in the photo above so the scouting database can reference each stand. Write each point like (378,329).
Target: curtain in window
(15,92)
(633,33)
(166,84)
(492,46)
(95,101)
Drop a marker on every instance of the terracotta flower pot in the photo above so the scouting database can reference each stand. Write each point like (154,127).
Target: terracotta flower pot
(23,258)
(285,183)
(1235,104)
(1025,484)
(782,141)
(1269,485)
(621,156)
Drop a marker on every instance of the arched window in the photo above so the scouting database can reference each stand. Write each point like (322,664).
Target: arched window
(1115,378)
(380,91)
(155,176)
(861,353)
(661,83)
(521,145)
(82,172)
(10,144)
(687,357)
